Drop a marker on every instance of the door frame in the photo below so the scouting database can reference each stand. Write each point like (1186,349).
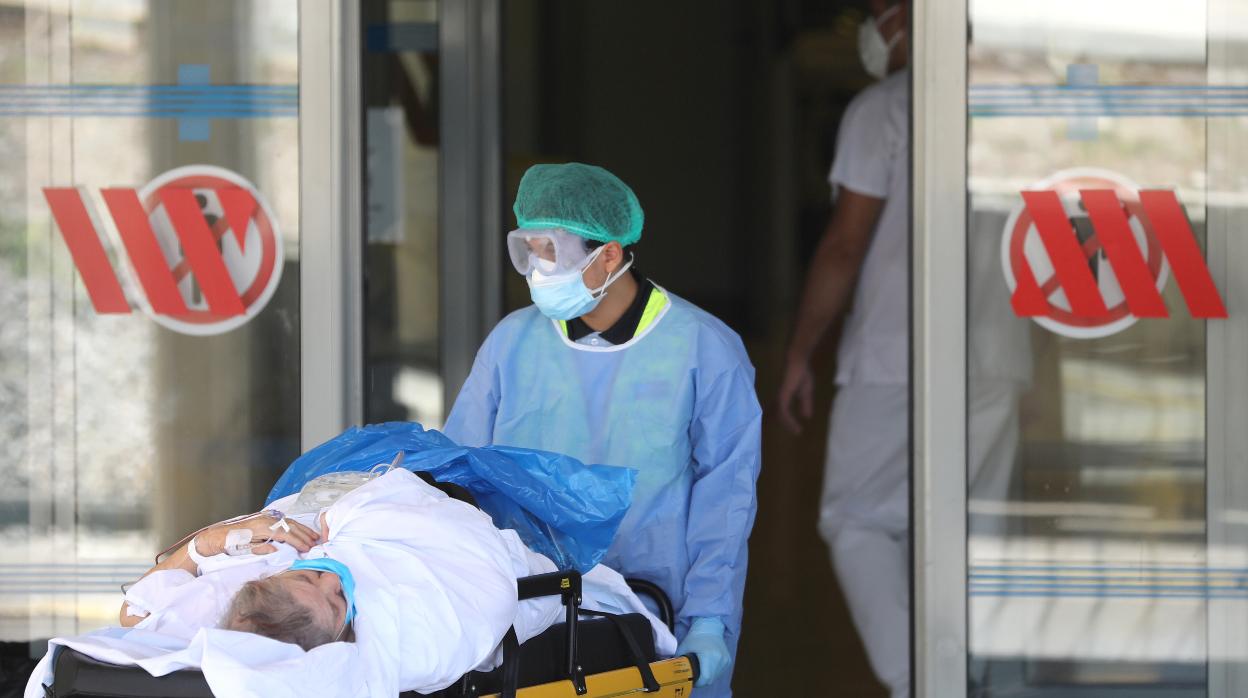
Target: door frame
(330,215)
(1226,371)
(470,177)
(939,353)
(938,347)
(331,202)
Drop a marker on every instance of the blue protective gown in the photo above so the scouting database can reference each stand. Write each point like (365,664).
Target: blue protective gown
(677,403)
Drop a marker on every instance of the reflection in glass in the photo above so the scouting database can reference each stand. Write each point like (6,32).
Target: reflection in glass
(118,435)
(1088,571)
(401,309)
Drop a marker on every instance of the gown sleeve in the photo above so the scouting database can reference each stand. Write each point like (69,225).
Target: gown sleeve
(471,422)
(727,451)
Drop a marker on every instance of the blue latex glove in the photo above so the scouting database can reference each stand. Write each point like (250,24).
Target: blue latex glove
(706,640)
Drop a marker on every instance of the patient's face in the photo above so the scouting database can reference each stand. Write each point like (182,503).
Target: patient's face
(320,593)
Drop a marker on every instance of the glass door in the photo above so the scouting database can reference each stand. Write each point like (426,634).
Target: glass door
(156,370)
(1100,348)
(432,238)
(402,376)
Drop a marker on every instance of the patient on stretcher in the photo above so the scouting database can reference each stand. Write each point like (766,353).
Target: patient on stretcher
(302,607)
(421,587)
(305,607)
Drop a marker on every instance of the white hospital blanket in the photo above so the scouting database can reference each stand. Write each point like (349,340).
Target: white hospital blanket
(436,592)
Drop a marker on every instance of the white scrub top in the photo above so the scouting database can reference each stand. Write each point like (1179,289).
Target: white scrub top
(872,158)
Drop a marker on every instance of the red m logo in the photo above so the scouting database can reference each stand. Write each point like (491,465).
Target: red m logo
(1166,229)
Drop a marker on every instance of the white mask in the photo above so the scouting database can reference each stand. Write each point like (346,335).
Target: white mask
(872,48)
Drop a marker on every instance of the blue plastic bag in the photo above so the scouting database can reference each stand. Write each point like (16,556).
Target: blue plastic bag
(560,507)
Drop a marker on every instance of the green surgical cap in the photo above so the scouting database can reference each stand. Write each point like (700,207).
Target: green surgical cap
(581,199)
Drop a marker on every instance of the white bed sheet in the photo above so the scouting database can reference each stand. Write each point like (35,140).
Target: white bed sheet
(455,583)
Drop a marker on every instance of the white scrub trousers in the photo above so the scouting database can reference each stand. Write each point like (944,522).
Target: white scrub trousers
(864,512)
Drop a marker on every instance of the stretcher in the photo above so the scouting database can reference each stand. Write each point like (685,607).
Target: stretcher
(591,654)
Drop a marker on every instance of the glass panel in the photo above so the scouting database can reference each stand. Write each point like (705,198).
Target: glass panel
(149,307)
(402,369)
(1087,375)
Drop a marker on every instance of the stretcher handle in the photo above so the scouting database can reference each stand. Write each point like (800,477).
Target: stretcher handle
(695,666)
(511,663)
(648,588)
(564,584)
(567,586)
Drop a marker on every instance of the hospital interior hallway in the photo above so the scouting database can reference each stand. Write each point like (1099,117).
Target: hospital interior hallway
(722,116)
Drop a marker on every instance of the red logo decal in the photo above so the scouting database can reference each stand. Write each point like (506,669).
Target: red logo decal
(1086,255)
(205,254)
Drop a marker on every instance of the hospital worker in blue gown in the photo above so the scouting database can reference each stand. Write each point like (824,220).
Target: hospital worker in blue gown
(611,368)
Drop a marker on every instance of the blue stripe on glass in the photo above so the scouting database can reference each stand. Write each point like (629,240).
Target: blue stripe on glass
(1104,584)
(153,114)
(1107,581)
(188,102)
(1140,569)
(1060,594)
(1108,100)
(1157,578)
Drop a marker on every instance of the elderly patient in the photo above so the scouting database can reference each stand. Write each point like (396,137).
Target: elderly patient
(307,605)
(422,584)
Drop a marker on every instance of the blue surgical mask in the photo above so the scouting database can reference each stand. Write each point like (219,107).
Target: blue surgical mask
(565,296)
(562,297)
(325,564)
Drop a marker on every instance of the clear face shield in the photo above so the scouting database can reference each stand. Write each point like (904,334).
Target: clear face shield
(550,252)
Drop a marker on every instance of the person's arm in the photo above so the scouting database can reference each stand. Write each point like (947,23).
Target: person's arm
(727,452)
(829,285)
(211,541)
(179,559)
(471,421)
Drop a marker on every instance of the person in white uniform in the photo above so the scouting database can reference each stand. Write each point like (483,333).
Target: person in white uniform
(864,254)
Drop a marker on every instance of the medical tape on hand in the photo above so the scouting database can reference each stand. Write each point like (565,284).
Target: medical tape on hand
(237,541)
(282,524)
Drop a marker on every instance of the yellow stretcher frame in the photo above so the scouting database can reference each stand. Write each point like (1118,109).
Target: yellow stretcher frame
(675,677)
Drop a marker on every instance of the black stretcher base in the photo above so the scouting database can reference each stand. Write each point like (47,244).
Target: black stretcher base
(603,650)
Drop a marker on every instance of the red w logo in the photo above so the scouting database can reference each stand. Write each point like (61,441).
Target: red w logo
(1167,231)
(160,283)
(174,233)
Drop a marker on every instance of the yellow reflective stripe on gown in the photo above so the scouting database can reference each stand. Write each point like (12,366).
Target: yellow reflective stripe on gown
(654,306)
(563,325)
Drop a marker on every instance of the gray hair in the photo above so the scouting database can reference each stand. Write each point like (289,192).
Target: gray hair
(265,607)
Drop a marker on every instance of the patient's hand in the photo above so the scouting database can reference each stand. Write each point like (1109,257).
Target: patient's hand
(300,537)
